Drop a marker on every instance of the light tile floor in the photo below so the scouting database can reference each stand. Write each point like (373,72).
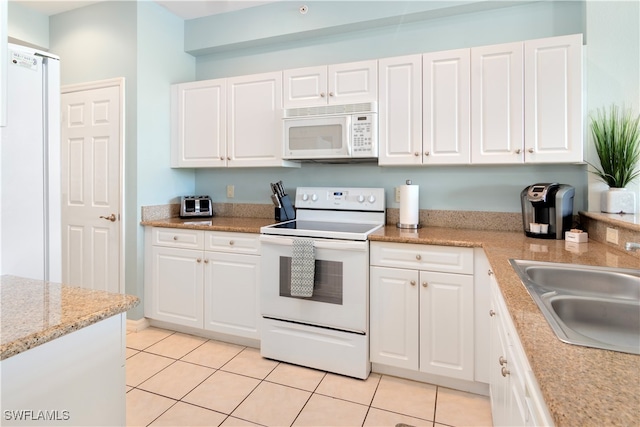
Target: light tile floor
(174,379)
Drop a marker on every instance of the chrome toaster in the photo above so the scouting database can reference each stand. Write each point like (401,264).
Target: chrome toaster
(196,207)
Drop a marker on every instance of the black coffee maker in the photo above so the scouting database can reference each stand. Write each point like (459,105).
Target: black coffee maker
(547,210)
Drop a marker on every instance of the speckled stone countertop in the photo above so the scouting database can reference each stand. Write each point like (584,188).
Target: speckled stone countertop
(34,312)
(234,224)
(581,386)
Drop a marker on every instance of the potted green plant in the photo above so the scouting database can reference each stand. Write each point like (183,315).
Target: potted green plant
(616,136)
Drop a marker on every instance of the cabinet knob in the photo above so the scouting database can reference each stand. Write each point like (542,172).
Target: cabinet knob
(518,151)
(228,158)
(198,260)
(175,237)
(492,313)
(490,273)
(413,283)
(426,153)
(322,95)
(231,243)
(206,261)
(425,284)
(416,154)
(504,371)
(502,361)
(221,158)
(330,93)
(418,257)
(531,150)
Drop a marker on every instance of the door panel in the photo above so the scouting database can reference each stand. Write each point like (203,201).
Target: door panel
(91,188)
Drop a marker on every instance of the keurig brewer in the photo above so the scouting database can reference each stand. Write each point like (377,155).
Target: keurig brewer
(547,210)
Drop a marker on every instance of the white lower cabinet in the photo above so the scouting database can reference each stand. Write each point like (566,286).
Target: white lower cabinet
(422,308)
(203,279)
(516,399)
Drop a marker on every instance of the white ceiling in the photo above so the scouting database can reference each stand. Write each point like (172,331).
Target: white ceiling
(186,9)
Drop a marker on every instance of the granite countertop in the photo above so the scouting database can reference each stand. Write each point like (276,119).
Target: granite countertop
(581,386)
(234,224)
(34,312)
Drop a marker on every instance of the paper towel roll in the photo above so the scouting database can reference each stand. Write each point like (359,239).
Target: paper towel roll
(409,206)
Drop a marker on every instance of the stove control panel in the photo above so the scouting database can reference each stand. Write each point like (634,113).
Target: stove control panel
(341,198)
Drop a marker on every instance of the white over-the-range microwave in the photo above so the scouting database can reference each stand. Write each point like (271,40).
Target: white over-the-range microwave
(331,133)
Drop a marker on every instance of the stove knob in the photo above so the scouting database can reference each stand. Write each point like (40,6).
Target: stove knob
(305,197)
(314,197)
(361,198)
(372,198)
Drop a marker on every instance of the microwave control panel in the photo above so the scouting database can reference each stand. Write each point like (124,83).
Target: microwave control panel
(364,135)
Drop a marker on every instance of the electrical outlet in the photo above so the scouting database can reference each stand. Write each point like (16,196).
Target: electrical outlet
(612,235)
(397,194)
(231,191)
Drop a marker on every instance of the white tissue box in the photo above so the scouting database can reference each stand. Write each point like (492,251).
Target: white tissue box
(577,237)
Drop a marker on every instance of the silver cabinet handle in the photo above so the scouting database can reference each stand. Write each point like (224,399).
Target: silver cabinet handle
(206,261)
(490,273)
(111,217)
(518,151)
(502,361)
(175,237)
(330,93)
(492,313)
(531,150)
(504,371)
(413,283)
(322,95)
(231,243)
(425,284)
(221,158)
(418,257)
(426,153)
(416,154)
(198,260)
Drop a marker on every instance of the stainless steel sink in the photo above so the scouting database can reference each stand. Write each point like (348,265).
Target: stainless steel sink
(584,305)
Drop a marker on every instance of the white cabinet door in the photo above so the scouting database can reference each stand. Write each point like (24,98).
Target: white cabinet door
(305,87)
(255,120)
(334,84)
(400,111)
(353,82)
(198,124)
(176,282)
(446,324)
(553,99)
(497,133)
(231,293)
(446,107)
(394,317)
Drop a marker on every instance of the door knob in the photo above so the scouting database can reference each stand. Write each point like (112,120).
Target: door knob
(111,217)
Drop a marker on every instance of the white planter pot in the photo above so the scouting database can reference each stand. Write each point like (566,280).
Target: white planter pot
(617,200)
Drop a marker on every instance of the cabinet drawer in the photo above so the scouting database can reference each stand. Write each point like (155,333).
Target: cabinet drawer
(242,243)
(447,259)
(178,238)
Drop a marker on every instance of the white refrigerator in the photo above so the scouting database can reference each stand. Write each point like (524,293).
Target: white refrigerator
(30,167)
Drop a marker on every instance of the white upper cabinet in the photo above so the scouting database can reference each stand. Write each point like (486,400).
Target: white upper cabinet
(553,99)
(527,102)
(254,121)
(199,120)
(497,104)
(446,107)
(334,84)
(234,122)
(400,110)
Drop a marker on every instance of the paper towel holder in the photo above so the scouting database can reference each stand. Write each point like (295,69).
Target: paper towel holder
(408,226)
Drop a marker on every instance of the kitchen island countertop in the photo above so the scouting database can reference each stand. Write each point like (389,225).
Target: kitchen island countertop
(581,386)
(34,312)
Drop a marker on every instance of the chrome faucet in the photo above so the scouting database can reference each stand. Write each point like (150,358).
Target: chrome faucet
(632,246)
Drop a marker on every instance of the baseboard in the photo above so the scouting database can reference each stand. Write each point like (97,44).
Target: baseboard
(137,325)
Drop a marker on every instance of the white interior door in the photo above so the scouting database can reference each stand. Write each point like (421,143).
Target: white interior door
(91,147)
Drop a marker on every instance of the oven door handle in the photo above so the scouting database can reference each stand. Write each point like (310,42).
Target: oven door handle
(343,245)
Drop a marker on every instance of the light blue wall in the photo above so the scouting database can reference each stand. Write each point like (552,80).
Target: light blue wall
(27,26)
(613,70)
(142,42)
(483,188)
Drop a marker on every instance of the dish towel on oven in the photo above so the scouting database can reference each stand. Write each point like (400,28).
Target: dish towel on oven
(303,266)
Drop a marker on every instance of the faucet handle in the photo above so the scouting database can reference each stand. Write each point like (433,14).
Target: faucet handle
(632,246)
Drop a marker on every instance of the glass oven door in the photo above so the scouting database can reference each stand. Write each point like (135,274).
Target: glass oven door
(341,283)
